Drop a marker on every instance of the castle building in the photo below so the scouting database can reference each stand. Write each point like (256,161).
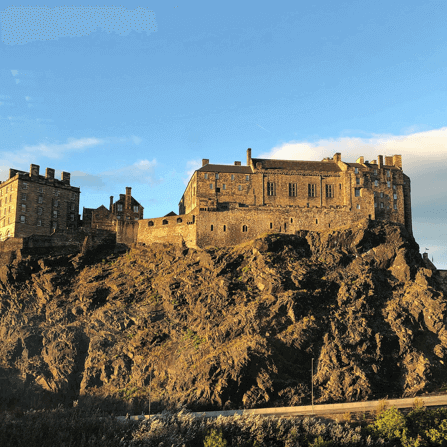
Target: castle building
(224,205)
(125,209)
(31,203)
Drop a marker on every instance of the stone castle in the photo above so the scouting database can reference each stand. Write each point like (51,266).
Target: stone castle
(223,205)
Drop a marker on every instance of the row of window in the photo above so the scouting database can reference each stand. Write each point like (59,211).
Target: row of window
(293,189)
(224,187)
(24,220)
(216,176)
(387,172)
(8,189)
(119,207)
(40,189)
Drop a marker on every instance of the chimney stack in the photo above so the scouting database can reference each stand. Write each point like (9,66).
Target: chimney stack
(34,171)
(66,177)
(389,161)
(248,156)
(49,174)
(337,157)
(205,161)
(128,197)
(397,161)
(111,203)
(237,163)
(360,160)
(380,161)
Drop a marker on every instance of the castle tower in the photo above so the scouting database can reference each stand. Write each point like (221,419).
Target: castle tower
(128,200)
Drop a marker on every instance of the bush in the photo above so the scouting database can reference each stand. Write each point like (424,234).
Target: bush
(389,424)
(214,439)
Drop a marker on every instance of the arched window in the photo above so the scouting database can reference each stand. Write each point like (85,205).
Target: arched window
(179,220)
(244,229)
(150,223)
(165,222)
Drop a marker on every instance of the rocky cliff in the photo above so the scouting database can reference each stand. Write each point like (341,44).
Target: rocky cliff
(224,328)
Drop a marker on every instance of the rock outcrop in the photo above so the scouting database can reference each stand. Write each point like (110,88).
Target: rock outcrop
(225,328)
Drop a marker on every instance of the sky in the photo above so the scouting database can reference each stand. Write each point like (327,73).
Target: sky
(131,95)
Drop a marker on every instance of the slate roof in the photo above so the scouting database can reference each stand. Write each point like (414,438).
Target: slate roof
(226,168)
(297,165)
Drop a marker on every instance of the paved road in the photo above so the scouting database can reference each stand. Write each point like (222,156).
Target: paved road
(351,407)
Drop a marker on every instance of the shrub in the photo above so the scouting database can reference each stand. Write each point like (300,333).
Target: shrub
(214,439)
(389,424)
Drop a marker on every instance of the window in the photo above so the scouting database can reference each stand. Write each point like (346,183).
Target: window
(217,176)
(0,203)
(388,173)
(135,209)
(212,227)
(23,208)
(179,220)
(357,192)
(291,220)
(165,222)
(40,189)
(9,220)
(56,204)
(10,198)
(381,204)
(271,190)
(247,178)
(244,229)
(356,170)
(232,176)
(376,182)
(72,218)
(135,218)
(374,194)
(118,217)
(23,196)
(239,187)
(394,186)
(9,209)
(40,199)
(271,225)
(395,196)
(7,189)
(72,206)
(97,216)
(39,222)
(73,195)
(358,206)
(339,186)
(24,185)
(1,192)
(312,190)
(22,219)
(224,186)
(381,195)
(56,193)
(120,207)
(375,171)
(206,176)
(55,214)
(127,217)
(292,189)
(6,200)
(54,226)
(329,191)
(395,206)
(388,184)
(211,186)
(150,223)
(375,205)
(357,181)
(225,228)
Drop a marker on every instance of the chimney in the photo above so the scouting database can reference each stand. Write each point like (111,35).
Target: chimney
(337,157)
(34,171)
(128,197)
(248,156)
(397,161)
(237,163)
(360,160)
(66,177)
(205,161)
(49,174)
(380,161)
(111,203)
(389,161)
(12,172)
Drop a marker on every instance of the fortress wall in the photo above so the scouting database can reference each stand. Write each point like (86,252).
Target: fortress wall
(173,229)
(127,231)
(227,228)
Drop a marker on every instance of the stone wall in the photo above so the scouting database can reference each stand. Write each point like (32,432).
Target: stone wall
(127,231)
(173,229)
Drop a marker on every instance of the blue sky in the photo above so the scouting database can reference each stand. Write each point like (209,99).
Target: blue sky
(136,96)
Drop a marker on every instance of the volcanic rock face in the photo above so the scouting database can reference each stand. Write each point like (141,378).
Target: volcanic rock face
(225,328)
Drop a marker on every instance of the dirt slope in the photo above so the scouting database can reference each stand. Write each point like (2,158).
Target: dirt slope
(224,328)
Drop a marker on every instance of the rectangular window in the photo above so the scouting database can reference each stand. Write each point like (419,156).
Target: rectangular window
(72,207)
(23,196)
(6,200)
(40,199)
(23,208)
(356,170)
(388,173)
(39,222)
(56,203)
(40,189)
(232,176)
(357,192)
(224,186)
(22,219)
(217,176)
(381,204)
(206,176)
(292,189)
(388,184)
(376,182)
(247,178)
(211,186)
(9,209)
(56,193)
(357,181)
(375,205)
(394,186)
(135,209)
(358,206)
(239,187)
(24,185)
(55,214)
(7,189)
(312,190)
(0,203)
(375,171)
(39,211)
(381,195)
(271,190)
(10,199)
(329,191)
(120,207)
(395,196)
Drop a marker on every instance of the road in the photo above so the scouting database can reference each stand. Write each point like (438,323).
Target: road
(316,410)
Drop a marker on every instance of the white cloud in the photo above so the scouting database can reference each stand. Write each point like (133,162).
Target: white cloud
(140,172)
(14,72)
(28,98)
(191,166)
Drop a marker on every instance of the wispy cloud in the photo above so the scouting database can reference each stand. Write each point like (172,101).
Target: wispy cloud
(141,171)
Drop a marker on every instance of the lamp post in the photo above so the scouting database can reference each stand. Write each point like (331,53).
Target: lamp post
(312,384)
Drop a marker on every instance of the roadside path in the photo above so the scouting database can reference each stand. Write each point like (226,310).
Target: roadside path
(351,407)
